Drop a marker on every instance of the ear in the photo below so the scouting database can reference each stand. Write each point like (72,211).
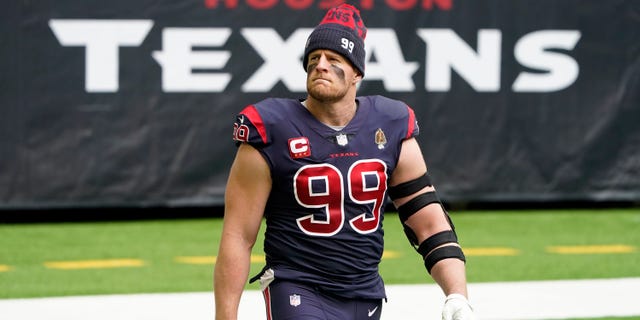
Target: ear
(357,77)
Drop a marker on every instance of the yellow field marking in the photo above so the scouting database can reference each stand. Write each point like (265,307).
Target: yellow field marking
(4,268)
(490,251)
(388,254)
(213,259)
(257,258)
(595,249)
(94,264)
(197,259)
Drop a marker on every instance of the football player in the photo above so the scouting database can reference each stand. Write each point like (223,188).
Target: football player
(319,170)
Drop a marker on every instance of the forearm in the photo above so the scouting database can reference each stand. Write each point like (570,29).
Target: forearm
(450,275)
(230,276)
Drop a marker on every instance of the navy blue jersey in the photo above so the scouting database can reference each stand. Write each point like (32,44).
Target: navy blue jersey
(325,211)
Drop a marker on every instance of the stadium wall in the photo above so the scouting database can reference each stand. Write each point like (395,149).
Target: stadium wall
(130,103)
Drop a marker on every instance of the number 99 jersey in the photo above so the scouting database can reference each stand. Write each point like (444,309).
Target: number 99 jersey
(325,211)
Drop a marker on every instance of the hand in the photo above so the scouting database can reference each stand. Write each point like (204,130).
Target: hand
(457,307)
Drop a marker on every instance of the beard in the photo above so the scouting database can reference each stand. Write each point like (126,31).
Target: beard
(333,92)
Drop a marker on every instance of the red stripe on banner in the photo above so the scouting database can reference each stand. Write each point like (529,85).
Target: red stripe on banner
(256,119)
(412,122)
(267,302)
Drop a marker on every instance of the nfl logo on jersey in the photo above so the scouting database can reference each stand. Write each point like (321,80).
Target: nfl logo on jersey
(342,139)
(294,300)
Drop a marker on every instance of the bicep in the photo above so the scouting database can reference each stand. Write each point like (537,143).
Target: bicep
(411,163)
(247,191)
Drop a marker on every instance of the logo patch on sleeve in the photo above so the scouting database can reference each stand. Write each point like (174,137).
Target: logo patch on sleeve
(299,147)
(380,139)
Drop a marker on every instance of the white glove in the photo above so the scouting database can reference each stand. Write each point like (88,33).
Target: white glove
(457,307)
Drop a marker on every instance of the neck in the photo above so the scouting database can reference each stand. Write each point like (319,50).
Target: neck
(332,114)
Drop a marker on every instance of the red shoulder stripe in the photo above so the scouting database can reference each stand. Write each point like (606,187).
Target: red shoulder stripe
(412,123)
(252,113)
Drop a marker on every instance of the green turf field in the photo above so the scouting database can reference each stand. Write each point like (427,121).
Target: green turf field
(38,260)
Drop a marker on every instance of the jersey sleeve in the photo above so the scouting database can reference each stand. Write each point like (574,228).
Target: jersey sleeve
(249,127)
(398,114)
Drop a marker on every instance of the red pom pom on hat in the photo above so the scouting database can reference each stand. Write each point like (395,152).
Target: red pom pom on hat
(348,16)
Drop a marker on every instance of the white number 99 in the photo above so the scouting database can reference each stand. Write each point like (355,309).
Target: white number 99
(347,44)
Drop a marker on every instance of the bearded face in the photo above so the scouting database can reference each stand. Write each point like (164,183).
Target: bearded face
(328,75)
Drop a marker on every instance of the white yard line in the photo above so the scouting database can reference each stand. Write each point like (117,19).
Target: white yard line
(504,300)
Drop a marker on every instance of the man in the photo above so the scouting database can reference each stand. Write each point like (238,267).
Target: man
(319,170)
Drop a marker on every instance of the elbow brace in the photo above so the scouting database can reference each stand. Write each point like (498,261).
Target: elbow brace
(430,249)
(410,187)
(441,253)
(418,202)
(433,250)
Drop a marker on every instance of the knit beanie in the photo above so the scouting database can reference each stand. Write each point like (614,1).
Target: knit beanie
(341,30)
